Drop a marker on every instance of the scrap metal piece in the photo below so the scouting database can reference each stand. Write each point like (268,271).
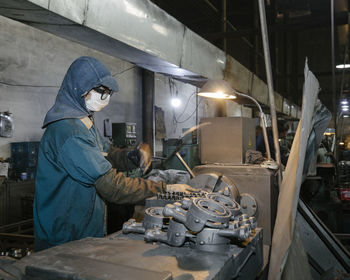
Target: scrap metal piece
(249,205)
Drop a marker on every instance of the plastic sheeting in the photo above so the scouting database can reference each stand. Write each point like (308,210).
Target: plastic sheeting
(314,120)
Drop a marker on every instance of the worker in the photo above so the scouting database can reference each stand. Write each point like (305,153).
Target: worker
(76,170)
(283,128)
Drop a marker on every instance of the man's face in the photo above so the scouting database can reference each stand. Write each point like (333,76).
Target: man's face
(97,98)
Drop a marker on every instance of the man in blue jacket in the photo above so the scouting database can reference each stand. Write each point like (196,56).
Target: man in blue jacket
(75,170)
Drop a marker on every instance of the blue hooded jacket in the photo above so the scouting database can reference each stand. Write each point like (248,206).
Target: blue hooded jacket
(84,74)
(70,160)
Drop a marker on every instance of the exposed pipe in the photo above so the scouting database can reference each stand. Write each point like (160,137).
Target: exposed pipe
(265,41)
(148,126)
(224,24)
(333,71)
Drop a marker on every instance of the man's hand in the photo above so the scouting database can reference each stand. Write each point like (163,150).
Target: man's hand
(180,188)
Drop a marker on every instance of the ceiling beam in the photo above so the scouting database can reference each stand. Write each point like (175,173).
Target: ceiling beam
(312,23)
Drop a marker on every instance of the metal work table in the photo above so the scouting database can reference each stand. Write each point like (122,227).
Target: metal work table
(121,256)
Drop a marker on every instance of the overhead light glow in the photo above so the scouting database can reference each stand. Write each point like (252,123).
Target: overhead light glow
(344,102)
(345,109)
(342,66)
(217,95)
(133,10)
(341,143)
(218,89)
(160,29)
(345,116)
(175,102)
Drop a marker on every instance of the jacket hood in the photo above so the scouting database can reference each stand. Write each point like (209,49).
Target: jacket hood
(84,74)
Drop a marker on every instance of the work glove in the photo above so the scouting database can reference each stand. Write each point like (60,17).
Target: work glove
(180,188)
(141,156)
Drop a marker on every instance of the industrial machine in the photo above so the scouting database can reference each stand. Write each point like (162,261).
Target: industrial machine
(202,235)
(221,231)
(124,134)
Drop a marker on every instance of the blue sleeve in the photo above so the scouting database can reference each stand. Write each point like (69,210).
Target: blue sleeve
(83,160)
(105,144)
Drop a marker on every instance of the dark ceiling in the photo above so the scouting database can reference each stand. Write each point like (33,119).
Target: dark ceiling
(297,29)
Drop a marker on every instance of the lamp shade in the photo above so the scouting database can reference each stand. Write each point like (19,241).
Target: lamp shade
(218,89)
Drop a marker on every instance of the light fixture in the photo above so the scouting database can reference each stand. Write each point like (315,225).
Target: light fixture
(344,102)
(345,116)
(220,89)
(217,89)
(345,109)
(175,102)
(342,66)
(341,143)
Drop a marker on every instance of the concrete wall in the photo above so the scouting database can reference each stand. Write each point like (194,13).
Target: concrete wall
(184,116)
(32,67)
(36,58)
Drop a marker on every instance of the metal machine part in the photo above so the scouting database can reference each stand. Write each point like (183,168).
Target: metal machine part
(214,182)
(202,212)
(255,180)
(153,218)
(212,223)
(232,205)
(175,235)
(249,205)
(132,226)
(217,240)
(165,198)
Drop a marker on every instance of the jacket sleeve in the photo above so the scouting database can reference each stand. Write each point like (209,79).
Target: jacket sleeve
(118,157)
(115,187)
(82,159)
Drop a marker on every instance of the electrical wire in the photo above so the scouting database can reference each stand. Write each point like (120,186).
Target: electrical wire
(35,86)
(119,73)
(190,116)
(188,102)
(44,86)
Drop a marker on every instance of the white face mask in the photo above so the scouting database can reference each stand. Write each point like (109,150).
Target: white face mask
(95,103)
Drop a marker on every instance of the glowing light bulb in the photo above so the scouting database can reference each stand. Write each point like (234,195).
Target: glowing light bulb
(175,102)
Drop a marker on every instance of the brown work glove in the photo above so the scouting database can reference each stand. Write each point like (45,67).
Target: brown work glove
(115,187)
(141,156)
(146,157)
(119,159)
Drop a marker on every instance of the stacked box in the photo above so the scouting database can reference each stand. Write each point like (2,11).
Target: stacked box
(24,157)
